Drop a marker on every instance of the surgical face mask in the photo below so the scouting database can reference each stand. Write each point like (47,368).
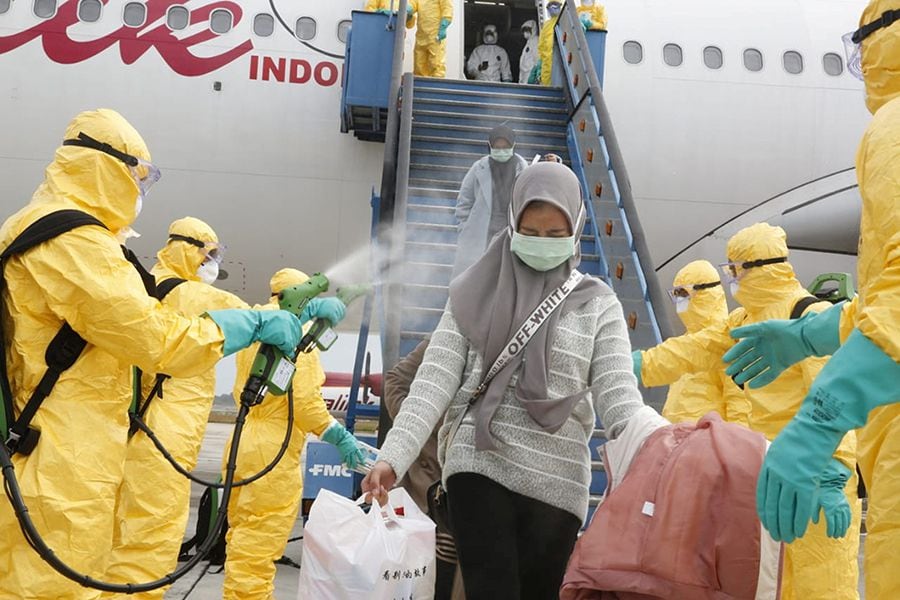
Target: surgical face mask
(125,234)
(734,287)
(542,253)
(502,154)
(138,205)
(490,38)
(526,33)
(208,272)
(554,9)
(682,305)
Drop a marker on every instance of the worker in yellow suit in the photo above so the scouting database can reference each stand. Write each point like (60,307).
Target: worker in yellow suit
(592,15)
(153,501)
(545,43)
(859,384)
(262,514)
(700,303)
(430,53)
(81,278)
(390,6)
(762,280)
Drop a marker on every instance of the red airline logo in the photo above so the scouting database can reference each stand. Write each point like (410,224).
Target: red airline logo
(133,42)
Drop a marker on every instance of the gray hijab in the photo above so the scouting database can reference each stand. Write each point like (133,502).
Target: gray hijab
(492,298)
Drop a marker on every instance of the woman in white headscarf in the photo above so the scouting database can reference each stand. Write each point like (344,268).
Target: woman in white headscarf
(517,466)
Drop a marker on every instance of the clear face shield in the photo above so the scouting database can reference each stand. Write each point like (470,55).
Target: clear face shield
(681,295)
(853,40)
(732,272)
(212,251)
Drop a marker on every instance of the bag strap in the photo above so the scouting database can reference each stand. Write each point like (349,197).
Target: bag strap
(518,341)
(63,350)
(802,305)
(164,287)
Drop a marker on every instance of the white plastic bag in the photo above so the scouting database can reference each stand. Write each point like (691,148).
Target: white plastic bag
(352,555)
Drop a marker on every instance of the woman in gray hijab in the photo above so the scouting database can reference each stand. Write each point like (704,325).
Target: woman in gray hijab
(515,460)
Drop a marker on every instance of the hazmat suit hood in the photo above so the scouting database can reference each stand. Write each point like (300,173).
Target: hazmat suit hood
(769,285)
(285,278)
(708,305)
(179,258)
(881,56)
(93,181)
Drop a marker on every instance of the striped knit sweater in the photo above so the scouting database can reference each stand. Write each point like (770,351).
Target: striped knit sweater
(590,349)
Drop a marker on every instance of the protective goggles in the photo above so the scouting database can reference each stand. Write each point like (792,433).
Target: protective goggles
(735,271)
(682,292)
(853,40)
(145,173)
(211,250)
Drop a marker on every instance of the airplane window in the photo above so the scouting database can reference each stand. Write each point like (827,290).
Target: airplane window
(305,28)
(178,18)
(633,52)
(833,64)
(135,14)
(712,57)
(753,59)
(672,55)
(44,8)
(793,62)
(221,21)
(263,25)
(89,10)
(343,30)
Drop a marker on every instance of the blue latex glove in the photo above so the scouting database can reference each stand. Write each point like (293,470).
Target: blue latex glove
(442,30)
(858,378)
(243,327)
(766,349)
(637,362)
(586,21)
(832,500)
(331,309)
(338,436)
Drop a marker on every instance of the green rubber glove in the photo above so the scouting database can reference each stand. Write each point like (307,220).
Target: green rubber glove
(409,11)
(637,362)
(351,453)
(243,327)
(535,75)
(766,349)
(858,378)
(832,500)
(586,22)
(385,11)
(442,30)
(330,309)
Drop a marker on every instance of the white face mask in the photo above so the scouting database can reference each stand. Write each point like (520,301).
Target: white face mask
(682,305)
(502,155)
(208,272)
(138,205)
(733,287)
(125,234)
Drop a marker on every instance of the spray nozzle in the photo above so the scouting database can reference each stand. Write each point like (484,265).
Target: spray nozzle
(349,293)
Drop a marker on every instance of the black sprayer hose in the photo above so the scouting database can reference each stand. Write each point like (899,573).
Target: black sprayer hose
(215,484)
(14,493)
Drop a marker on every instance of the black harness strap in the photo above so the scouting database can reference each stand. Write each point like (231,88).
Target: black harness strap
(164,287)
(63,350)
(802,305)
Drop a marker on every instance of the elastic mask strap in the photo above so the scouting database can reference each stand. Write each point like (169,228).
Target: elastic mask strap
(706,286)
(86,141)
(763,262)
(888,18)
(184,238)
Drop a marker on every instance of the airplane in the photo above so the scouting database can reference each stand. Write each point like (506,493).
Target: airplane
(718,106)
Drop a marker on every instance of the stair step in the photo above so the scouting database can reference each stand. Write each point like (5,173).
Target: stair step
(456,131)
(431,233)
(449,158)
(440,143)
(597,465)
(487,86)
(519,123)
(595,500)
(444,215)
(427,273)
(435,183)
(421,192)
(509,110)
(443,254)
(490,98)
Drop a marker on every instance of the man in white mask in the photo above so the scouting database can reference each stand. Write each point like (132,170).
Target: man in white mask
(489,61)
(529,56)
(484,197)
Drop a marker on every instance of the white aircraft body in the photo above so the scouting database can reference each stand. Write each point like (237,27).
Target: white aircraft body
(239,103)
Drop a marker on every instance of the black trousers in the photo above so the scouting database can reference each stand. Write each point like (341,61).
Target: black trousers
(509,547)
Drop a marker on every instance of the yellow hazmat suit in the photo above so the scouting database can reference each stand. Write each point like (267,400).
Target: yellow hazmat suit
(429,57)
(261,514)
(81,278)
(545,50)
(153,501)
(596,13)
(696,394)
(815,566)
(876,311)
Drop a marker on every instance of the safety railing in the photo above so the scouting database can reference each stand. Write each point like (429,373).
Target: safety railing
(598,161)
